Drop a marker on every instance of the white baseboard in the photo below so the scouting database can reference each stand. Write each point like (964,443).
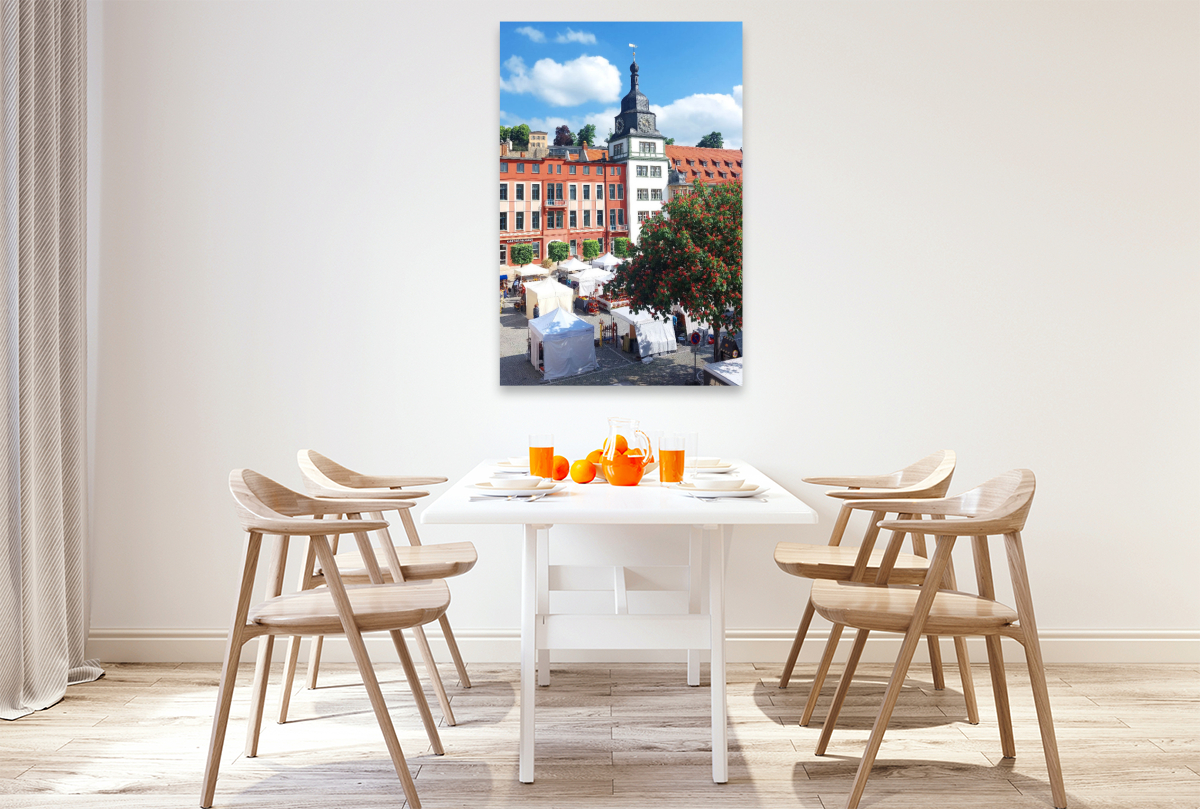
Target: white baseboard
(742,646)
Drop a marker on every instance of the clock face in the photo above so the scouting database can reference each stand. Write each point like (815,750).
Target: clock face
(645,124)
(620,125)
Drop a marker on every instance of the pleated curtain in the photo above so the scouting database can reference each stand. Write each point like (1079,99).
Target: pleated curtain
(43,356)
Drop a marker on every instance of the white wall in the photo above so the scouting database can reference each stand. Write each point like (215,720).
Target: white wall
(968,225)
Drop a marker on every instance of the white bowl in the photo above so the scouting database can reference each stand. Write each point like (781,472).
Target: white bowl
(703,462)
(522,482)
(723,483)
(519,461)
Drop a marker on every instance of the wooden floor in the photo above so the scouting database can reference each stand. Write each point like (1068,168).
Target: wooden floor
(610,736)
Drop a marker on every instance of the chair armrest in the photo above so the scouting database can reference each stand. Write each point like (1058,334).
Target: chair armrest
(349,505)
(309,528)
(369,494)
(855,481)
(397,481)
(915,505)
(878,494)
(949,528)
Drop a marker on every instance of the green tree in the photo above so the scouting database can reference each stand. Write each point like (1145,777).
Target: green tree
(520,137)
(559,251)
(621,247)
(505,133)
(591,249)
(586,133)
(712,140)
(691,256)
(669,142)
(609,136)
(563,136)
(521,254)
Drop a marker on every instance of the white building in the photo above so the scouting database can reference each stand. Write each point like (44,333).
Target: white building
(637,144)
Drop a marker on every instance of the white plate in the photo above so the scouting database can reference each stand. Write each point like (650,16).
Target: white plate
(747,490)
(498,489)
(709,465)
(509,465)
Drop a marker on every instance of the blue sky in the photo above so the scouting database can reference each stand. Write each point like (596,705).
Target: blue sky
(554,73)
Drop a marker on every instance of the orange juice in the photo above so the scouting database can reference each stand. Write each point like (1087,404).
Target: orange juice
(541,461)
(670,465)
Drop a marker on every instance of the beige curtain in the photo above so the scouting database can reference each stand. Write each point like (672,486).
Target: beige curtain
(43,496)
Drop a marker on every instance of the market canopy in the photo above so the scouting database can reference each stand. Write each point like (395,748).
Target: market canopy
(607,260)
(547,295)
(572,265)
(655,335)
(529,270)
(590,279)
(564,343)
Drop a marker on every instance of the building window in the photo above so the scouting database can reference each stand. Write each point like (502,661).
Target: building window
(572,169)
(612,191)
(520,168)
(620,192)
(728,165)
(571,189)
(503,254)
(535,191)
(504,221)
(703,162)
(537,247)
(587,191)
(739,164)
(503,168)
(520,190)
(587,219)
(599,217)
(536,168)
(643,171)
(735,174)
(691,162)
(572,244)
(620,216)
(722,174)
(587,169)
(520,220)
(656,171)
(643,194)
(614,171)
(648,147)
(656,193)
(557,220)
(503,190)
(558,190)
(617,149)
(572,220)
(535,221)
(643,216)
(558,169)
(708,174)
(599,191)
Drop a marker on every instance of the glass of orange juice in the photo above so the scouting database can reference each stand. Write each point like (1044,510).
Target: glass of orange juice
(670,457)
(541,455)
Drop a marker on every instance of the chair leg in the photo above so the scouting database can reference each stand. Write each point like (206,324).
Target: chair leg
(1008,742)
(935,662)
(314,661)
(839,697)
(835,634)
(464,680)
(289,676)
(258,693)
(1037,669)
(790,663)
(968,682)
(414,684)
(435,677)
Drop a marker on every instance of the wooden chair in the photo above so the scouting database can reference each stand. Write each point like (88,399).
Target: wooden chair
(264,507)
(406,563)
(928,477)
(998,507)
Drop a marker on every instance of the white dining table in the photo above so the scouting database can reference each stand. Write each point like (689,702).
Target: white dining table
(598,503)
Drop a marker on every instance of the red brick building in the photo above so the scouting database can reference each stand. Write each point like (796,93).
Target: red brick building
(572,195)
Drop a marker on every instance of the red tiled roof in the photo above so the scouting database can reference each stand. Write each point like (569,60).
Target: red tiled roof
(597,154)
(716,159)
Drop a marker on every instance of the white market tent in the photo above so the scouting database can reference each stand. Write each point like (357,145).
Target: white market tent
(654,335)
(547,295)
(606,261)
(590,279)
(530,270)
(572,265)
(565,343)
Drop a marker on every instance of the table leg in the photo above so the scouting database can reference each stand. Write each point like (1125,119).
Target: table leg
(716,608)
(528,650)
(543,600)
(695,564)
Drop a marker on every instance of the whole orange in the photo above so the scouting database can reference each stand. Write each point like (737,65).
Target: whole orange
(595,455)
(560,467)
(622,445)
(583,471)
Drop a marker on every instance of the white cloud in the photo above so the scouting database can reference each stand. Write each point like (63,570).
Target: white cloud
(581,37)
(588,78)
(534,34)
(689,119)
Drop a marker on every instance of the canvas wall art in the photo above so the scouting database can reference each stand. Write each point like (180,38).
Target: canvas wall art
(620,195)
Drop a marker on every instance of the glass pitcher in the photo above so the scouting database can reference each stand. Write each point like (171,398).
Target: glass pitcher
(628,453)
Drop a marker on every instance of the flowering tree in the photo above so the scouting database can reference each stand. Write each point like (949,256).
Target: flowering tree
(691,257)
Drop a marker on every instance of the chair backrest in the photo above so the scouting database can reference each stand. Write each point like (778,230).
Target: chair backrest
(322,472)
(1003,502)
(932,470)
(261,501)
(928,477)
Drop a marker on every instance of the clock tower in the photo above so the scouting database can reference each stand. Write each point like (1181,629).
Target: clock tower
(640,147)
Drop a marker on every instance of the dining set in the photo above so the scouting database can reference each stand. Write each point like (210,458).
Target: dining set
(381,584)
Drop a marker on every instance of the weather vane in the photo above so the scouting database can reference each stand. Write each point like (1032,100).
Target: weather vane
(634,51)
